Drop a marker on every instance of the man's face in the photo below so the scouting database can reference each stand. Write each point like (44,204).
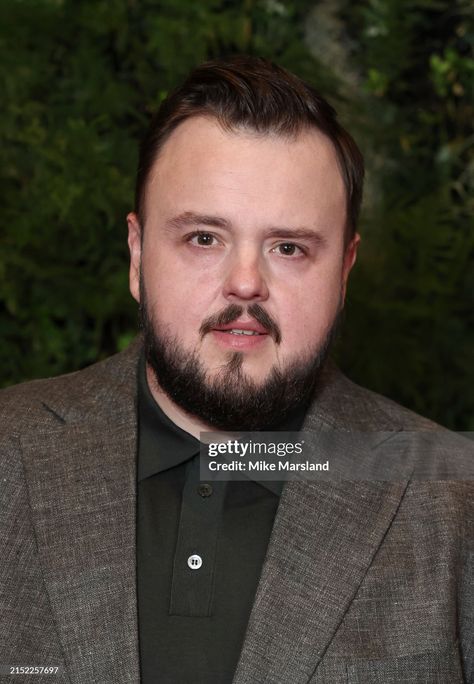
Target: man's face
(244,234)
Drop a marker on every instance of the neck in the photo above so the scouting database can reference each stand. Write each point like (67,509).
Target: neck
(185,421)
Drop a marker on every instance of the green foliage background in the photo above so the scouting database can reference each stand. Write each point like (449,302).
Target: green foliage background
(80,80)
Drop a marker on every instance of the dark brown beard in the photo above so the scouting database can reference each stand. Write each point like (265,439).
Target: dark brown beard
(231,401)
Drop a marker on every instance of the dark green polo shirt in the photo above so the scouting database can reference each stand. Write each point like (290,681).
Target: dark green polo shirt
(200,550)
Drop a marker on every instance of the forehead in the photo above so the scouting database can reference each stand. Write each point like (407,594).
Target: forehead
(202,167)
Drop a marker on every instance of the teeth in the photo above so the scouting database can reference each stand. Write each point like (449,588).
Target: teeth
(243,332)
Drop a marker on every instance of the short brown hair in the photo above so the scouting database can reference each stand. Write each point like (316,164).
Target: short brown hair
(254,93)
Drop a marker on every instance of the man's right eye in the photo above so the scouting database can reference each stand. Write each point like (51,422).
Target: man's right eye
(201,239)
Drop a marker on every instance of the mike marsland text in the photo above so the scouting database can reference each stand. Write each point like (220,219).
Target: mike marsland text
(266,466)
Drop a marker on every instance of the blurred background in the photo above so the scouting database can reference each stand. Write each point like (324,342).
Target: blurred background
(80,81)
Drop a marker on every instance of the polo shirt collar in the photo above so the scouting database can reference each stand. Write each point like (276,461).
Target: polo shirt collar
(164,445)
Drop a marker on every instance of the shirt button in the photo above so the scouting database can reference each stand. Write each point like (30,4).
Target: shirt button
(194,561)
(205,490)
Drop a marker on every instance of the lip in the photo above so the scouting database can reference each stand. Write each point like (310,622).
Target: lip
(238,342)
(243,325)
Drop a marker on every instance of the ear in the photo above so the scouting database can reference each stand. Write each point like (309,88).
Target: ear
(135,247)
(350,256)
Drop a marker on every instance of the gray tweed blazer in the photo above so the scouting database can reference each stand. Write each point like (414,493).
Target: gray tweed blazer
(363,582)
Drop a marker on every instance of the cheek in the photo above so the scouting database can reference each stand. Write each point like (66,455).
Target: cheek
(310,311)
(179,302)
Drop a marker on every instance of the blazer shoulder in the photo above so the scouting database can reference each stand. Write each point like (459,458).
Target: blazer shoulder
(394,412)
(437,452)
(345,404)
(65,397)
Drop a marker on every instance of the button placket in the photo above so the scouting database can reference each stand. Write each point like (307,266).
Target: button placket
(192,586)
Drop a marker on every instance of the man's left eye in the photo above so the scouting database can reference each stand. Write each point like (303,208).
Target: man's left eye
(288,249)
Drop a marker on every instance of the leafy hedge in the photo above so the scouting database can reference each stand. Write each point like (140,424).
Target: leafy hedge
(80,80)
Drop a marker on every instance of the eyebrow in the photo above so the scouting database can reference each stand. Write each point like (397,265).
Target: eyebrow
(190,218)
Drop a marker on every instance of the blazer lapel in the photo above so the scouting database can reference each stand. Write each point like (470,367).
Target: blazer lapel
(81,479)
(323,541)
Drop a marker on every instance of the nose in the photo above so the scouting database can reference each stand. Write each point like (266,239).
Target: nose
(245,279)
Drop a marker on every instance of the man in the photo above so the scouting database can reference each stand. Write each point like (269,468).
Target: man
(118,562)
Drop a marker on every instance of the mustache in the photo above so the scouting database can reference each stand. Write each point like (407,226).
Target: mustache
(234,311)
